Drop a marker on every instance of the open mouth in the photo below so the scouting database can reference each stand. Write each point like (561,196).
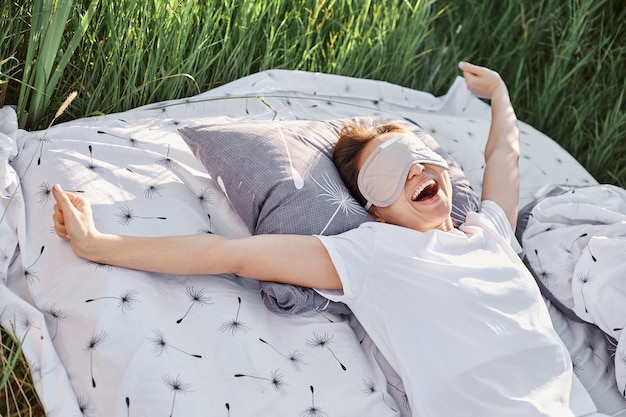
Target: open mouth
(427,190)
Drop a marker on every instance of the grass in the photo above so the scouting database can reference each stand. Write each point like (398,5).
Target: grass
(17,394)
(563,60)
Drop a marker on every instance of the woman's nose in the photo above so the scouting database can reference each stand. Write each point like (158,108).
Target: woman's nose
(416,169)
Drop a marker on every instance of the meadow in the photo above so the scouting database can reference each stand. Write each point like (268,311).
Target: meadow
(563,60)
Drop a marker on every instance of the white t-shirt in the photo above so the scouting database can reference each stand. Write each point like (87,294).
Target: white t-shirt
(457,315)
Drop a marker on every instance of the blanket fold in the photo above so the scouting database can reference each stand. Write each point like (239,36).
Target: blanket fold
(290,299)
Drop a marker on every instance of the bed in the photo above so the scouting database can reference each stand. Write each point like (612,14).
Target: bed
(104,341)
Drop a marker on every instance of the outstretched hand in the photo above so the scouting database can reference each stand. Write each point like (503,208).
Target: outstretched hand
(481,81)
(73,218)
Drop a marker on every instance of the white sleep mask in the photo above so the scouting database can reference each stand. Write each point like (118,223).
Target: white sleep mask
(383,174)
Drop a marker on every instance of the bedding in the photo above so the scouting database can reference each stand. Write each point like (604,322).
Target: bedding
(108,341)
(574,241)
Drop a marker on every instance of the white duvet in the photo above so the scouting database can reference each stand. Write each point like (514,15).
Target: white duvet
(105,341)
(576,243)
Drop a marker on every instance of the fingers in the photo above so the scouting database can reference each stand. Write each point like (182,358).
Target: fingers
(476,70)
(467,67)
(61,197)
(63,205)
(481,81)
(59,222)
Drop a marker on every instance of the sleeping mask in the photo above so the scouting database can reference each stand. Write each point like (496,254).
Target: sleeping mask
(383,174)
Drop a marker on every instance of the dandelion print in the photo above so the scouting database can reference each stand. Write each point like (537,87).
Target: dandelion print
(99,266)
(313,410)
(298,182)
(593,258)
(276,379)
(369,388)
(611,347)
(323,341)
(92,344)
(127,215)
(569,250)
(152,190)
(91,166)
(622,358)
(593,348)
(125,300)
(235,325)
(584,279)
(545,276)
(175,385)
(44,194)
(160,345)
(129,140)
(338,196)
(208,230)
(295,358)
(205,197)
(56,315)
(577,364)
(86,409)
(166,161)
(4,258)
(196,297)
(29,272)
(42,141)
(27,322)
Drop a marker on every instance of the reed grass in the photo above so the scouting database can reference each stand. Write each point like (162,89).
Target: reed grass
(563,60)
(17,393)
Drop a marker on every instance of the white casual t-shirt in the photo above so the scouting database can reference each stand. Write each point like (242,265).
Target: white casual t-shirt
(457,315)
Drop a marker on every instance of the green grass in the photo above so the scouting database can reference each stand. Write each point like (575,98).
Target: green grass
(17,393)
(563,60)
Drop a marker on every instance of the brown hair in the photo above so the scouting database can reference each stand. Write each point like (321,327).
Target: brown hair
(352,140)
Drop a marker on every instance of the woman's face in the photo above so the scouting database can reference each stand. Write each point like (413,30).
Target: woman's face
(425,202)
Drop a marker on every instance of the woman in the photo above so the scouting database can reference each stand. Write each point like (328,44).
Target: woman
(452,309)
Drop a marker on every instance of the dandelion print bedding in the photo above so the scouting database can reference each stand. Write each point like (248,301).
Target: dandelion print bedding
(106,341)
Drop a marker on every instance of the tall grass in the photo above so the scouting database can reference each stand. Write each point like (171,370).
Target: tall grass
(37,36)
(563,60)
(565,63)
(17,393)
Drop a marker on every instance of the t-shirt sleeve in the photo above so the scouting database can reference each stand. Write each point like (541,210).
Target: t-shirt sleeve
(494,217)
(352,254)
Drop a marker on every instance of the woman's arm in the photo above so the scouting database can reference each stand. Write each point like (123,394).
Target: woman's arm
(294,259)
(501,176)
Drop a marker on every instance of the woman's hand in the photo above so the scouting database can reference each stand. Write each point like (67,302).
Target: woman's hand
(73,220)
(481,81)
